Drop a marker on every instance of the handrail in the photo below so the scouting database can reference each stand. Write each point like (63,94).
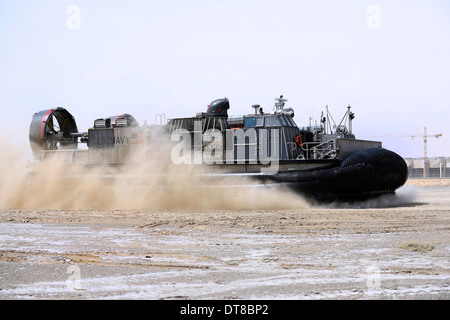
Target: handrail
(319,150)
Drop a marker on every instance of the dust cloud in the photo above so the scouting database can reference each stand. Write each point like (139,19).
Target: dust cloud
(154,184)
(405,196)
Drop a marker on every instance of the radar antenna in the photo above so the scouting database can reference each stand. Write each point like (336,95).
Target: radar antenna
(280,104)
(280,109)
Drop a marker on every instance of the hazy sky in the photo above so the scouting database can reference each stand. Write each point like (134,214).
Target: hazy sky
(389,59)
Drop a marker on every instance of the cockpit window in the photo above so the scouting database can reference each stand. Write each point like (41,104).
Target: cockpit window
(283,121)
(260,122)
(272,122)
(291,121)
(250,122)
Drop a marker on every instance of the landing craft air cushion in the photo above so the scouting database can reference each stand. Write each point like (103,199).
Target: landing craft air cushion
(325,162)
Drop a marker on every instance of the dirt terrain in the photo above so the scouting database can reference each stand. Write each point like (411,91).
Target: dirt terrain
(395,247)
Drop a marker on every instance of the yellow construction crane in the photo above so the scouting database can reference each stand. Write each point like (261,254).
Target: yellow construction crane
(425,137)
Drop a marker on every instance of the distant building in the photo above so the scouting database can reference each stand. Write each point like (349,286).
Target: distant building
(439,167)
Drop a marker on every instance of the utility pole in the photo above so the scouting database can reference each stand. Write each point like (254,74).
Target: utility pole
(426,165)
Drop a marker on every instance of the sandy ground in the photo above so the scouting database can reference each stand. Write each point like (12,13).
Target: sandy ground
(392,248)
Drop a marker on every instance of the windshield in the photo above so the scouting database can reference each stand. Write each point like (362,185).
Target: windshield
(272,122)
(250,122)
(260,122)
(284,122)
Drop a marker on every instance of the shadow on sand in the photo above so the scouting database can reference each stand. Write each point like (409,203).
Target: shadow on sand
(404,198)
